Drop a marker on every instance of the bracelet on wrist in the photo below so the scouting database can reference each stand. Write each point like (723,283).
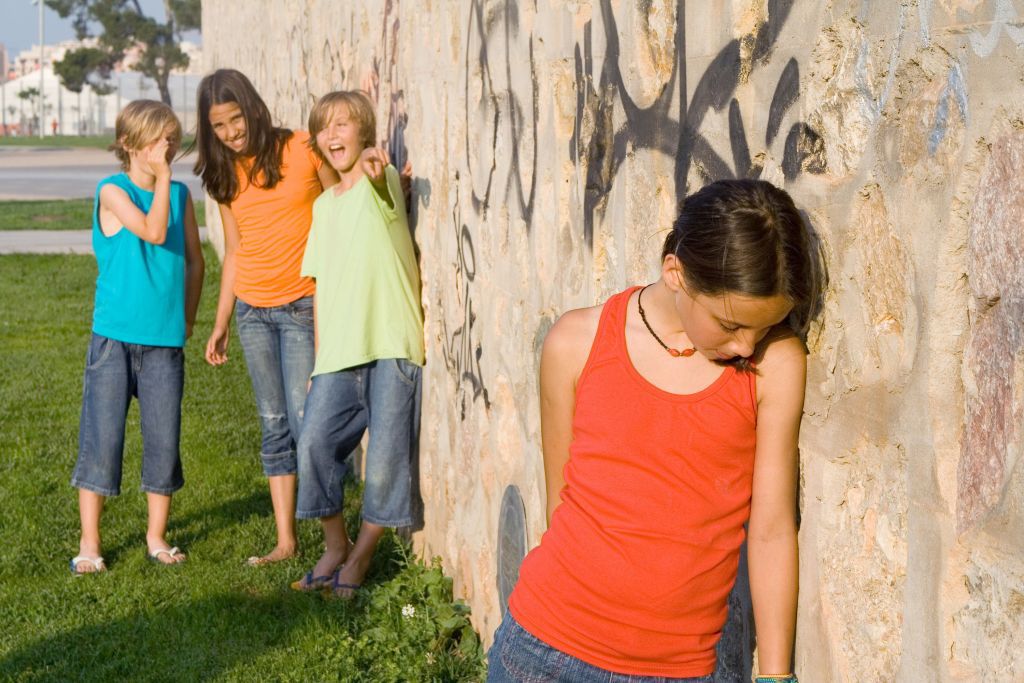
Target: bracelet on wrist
(776,678)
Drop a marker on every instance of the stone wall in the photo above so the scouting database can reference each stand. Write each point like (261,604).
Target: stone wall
(550,143)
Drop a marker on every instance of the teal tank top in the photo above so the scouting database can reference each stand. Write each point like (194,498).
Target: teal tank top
(140,289)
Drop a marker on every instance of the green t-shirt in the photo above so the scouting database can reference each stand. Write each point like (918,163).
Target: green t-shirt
(367,281)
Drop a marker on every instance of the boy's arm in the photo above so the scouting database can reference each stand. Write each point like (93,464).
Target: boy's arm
(772,540)
(217,344)
(152,225)
(195,266)
(374,161)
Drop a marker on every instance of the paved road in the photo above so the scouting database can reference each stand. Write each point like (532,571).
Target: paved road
(52,241)
(67,173)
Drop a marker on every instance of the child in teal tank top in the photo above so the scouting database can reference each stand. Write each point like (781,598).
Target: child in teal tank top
(147,291)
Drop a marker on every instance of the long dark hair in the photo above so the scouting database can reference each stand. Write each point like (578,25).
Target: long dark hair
(747,236)
(264,141)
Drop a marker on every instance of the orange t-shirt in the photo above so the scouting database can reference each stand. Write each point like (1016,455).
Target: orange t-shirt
(273,225)
(634,573)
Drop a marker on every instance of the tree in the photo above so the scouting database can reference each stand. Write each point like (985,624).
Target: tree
(124,27)
(30,95)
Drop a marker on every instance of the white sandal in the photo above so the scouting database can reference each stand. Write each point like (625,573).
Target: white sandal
(173,553)
(96,562)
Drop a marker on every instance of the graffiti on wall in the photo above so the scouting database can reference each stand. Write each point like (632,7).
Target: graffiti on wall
(673,124)
(383,69)
(501,110)
(461,349)
(501,100)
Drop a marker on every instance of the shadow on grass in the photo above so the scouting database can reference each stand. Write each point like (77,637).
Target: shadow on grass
(190,528)
(171,631)
(195,641)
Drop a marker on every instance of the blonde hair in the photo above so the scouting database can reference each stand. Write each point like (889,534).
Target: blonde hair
(360,109)
(141,123)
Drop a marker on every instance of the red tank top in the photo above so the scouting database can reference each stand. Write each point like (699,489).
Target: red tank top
(635,570)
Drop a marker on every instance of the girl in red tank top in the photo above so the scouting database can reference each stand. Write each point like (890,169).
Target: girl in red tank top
(670,417)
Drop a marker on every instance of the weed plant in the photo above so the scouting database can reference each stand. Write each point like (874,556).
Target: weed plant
(213,617)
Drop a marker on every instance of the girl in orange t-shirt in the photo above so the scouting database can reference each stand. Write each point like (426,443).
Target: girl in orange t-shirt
(265,179)
(670,416)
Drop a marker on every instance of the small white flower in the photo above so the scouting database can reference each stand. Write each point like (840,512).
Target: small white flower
(408,611)
(430,658)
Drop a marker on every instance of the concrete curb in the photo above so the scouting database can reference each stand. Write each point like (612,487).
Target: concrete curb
(52,241)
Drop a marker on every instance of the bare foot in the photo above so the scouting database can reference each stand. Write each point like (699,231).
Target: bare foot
(278,554)
(166,555)
(350,578)
(322,573)
(159,550)
(90,564)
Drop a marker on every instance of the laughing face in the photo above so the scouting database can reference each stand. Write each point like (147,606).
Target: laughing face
(339,141)
(228,125)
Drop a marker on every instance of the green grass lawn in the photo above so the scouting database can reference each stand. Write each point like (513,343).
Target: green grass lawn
(212,618)
(96,141)
(60,214)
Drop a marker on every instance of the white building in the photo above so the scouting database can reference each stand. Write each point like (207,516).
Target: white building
(86,113)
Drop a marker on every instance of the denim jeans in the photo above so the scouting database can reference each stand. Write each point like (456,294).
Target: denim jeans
(384,397)
(517,656)
(114,372)
(278,346)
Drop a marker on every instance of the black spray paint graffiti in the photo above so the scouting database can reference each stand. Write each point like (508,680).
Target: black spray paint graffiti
(500,103)
(506,97)
(393,131)
(654,127)
(461,354)
(501,100)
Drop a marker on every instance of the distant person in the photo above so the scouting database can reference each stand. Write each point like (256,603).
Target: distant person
(150,264)
(265,179)
(669,420)
(370,347)
(53,127)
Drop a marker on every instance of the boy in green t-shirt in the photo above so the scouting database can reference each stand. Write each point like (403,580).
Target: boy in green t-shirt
(369,340)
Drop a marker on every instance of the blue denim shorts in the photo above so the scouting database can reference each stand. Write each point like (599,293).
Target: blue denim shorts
(278,346)
(518,656)
(114,372)
(384,397)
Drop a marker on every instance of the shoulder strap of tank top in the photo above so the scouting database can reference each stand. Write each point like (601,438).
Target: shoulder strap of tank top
(610,334)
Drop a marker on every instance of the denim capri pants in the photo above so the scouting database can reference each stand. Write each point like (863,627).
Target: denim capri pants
(518,656)
(384,397)
(114,372)
(278,346)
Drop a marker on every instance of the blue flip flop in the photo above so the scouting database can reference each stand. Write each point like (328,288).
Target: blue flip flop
(310,583)
(338,586)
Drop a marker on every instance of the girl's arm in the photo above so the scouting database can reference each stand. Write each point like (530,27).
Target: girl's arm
(772,539)
(327,175)
(195,266)
(217,345)
(565,352)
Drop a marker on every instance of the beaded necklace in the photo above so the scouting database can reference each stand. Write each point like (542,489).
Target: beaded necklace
(675,353)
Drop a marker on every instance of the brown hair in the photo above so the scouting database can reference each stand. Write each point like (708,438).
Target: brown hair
(215,163)
(747,237)
(141,123)
(360,109)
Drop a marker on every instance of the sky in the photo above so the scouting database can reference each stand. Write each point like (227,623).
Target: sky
(19,24)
